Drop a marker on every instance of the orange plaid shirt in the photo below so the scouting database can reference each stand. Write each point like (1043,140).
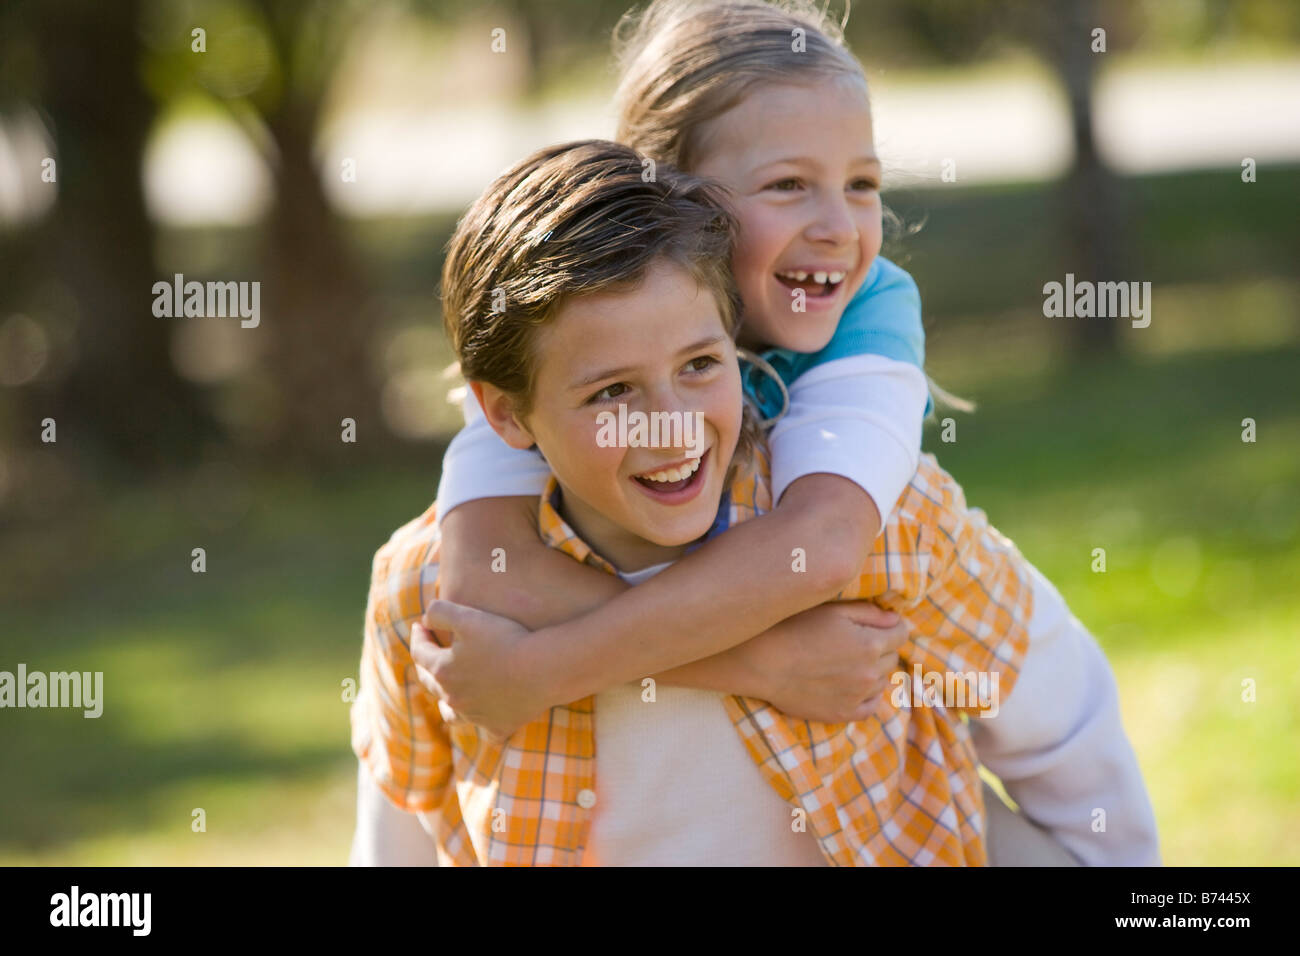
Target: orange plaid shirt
(899,788)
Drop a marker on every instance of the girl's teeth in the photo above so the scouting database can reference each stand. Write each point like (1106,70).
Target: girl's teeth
(821,278)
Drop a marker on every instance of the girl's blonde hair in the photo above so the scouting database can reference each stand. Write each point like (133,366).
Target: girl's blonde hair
(683,63)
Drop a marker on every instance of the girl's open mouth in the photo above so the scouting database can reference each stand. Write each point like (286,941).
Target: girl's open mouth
(814,284)
(675,485)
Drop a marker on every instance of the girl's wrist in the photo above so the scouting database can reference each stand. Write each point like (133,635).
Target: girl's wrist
(536,666)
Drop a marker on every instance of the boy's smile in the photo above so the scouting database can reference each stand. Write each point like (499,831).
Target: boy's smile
(801,166)
(658,348)
(675,484)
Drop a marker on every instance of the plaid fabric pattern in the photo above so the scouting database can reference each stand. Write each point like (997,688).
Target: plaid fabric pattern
(900,788)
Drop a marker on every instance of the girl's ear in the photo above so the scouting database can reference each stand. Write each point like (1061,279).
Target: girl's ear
(499,411)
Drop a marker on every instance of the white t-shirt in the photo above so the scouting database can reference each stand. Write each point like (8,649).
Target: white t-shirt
(675,785)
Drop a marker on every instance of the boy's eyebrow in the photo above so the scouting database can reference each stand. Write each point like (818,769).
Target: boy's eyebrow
(589,380)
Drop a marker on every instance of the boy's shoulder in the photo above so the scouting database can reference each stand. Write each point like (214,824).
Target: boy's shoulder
(933,506)
(930,495)
(928,528)
(404,571)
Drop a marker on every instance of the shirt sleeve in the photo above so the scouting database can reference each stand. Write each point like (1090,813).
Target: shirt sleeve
(398,732)
(385,835)
(973,618)
(1059,747)
(478,464)
(961,587)
(858,417)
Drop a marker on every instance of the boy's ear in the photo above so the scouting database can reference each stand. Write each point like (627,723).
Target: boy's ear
(499,411)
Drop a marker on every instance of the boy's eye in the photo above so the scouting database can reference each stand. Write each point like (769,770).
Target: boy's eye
(865,185)
(785,185)
(609,392)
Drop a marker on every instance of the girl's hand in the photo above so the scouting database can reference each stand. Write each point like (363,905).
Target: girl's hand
(472,667)
(829,663)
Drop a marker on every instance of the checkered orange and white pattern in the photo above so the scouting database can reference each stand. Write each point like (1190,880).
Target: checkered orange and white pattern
(900,788)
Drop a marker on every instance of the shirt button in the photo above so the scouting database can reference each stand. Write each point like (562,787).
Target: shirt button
(586,799)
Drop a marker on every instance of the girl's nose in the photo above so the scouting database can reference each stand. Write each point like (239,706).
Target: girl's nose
(834,222)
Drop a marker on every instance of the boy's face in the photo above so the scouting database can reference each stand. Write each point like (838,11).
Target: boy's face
(661,347)
(802,167)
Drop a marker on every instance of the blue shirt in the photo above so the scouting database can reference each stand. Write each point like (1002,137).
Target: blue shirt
(882,318)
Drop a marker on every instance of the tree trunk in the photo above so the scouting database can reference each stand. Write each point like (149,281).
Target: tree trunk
(315,308)
(123,398)
(1092,203)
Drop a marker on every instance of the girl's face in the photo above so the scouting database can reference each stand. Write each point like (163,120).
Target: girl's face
(805,180)
(661,347)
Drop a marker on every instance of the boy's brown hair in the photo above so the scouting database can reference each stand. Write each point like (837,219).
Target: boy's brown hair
(572,220)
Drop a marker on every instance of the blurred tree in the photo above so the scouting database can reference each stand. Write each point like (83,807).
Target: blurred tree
(316,296)
(122,397)
(556,33)
(1061,35)
(270,64)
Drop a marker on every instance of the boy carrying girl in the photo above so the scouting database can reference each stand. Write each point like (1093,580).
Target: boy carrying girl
(618,291)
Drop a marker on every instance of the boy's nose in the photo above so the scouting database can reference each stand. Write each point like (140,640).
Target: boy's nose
(668,399)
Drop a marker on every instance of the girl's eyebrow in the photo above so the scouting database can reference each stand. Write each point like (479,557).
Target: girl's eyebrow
(869,159)
(590,380)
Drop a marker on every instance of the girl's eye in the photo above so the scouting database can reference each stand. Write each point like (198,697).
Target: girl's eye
(609,392)
(866,185)
(702,364)
(785,185)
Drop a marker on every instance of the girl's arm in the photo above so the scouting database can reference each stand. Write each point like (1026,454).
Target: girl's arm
(728,591)
(678,625)
(734,587)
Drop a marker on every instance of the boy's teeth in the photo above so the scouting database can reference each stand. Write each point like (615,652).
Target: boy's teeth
(819,278)
(674,474)
(836,276)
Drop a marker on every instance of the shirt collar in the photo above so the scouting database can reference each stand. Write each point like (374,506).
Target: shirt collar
(557,533)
